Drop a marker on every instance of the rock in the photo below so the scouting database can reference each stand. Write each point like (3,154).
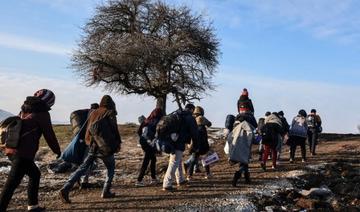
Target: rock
(318,193)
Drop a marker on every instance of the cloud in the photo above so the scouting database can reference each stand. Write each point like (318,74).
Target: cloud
(30,44)
(339,110)
(338,20)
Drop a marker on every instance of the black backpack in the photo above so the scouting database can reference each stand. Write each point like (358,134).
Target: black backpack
(103,134)
(169,124)
(229,122)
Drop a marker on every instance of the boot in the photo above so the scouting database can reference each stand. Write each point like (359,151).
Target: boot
(64,196)
(247,178)
(237,176)
(106,191)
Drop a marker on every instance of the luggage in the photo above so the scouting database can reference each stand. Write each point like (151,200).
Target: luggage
(10,130)
(210,159)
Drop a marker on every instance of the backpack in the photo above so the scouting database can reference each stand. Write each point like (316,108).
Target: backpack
(149,130)
(229,122)
(77,119)
(311,122)
(169,124)
(298,127)
(240,142)
(104,136)
(10,131)
(167,132)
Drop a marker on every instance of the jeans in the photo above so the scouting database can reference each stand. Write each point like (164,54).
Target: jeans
(312,139)
(194,160)
(149,157)
(19,168)
(174,170)
(108,161)
(266,153)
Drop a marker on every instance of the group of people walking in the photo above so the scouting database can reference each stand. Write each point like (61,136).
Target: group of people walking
(98,137)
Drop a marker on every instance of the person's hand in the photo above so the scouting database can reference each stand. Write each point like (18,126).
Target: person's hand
(58,155)
(10,151)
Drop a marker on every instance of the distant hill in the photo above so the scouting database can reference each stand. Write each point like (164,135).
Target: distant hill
(4,114)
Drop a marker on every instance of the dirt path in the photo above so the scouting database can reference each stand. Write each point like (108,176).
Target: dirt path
(216,192)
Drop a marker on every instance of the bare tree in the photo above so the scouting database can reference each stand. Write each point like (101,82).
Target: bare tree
(149,48)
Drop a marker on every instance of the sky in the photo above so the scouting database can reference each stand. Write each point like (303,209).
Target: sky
(289,54)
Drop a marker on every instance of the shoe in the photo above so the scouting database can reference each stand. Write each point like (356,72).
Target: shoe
(169,189)
(303,161)
(263,166)
(154,182)
(236,177)
(64,196)
(108,195)
(183,183)
(189,178)
(208,176)
(38,209)
(291,160)
(139,184)
(273,167)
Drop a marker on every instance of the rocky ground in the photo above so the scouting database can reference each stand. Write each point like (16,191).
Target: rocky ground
(328,181)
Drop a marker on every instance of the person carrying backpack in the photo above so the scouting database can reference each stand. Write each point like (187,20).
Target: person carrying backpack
(244,104)
(286,128)
(297,135)
(202,123)
(271,134)
(35,118)
(102,136)
(187,132)
(239,144)
(261,124)
(146,133)
(313,121)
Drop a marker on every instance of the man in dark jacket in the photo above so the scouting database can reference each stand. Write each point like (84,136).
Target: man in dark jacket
(313,121)
(107,111)
(35,123)
(188,131)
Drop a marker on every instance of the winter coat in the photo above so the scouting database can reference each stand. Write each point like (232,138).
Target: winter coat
(244,104)
(188,131)
(150,124)
(272,131)
(107,108)
(37,121)
(239,142)
(202,123)
(285,124)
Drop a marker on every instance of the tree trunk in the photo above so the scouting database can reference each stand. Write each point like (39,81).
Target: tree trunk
(161,103)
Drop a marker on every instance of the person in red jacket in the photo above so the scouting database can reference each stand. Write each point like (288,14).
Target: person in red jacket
(244,104)
(35,123)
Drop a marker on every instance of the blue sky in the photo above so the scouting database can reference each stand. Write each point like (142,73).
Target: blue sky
(290,54)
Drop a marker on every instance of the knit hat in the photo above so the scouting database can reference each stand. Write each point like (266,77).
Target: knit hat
(46,95)
(245,92)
